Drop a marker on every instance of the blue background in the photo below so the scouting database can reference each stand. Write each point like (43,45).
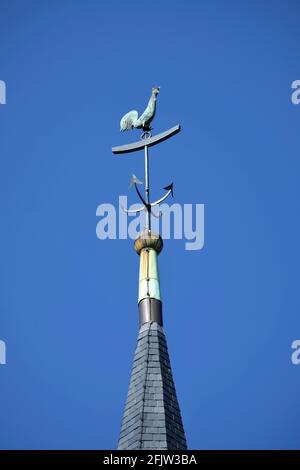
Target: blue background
(68,299)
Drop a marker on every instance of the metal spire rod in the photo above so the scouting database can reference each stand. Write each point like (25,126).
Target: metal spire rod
(147,191)
(146,141)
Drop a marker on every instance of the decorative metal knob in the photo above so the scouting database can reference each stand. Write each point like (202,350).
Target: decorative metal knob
(147,239)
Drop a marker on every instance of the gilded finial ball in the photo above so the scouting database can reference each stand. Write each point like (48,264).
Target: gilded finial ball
(147,239)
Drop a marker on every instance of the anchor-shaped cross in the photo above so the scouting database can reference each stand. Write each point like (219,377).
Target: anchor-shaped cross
(147,140)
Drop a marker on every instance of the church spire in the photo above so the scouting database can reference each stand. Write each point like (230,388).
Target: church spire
(151,419)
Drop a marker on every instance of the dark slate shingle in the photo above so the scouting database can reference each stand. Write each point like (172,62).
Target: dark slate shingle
(152,418)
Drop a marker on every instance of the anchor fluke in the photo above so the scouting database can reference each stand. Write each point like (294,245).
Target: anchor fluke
(134,180)
(169,188)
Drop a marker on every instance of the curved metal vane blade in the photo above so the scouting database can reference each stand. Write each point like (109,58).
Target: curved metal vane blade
(168,188)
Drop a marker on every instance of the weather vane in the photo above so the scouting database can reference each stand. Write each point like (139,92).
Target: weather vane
(132,121)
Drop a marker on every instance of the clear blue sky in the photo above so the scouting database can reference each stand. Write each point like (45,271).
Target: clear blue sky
(68,300)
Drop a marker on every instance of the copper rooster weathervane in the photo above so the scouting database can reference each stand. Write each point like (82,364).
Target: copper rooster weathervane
(132,121)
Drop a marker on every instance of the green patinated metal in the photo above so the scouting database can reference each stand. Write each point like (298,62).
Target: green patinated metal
(149,286)
(131,119)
